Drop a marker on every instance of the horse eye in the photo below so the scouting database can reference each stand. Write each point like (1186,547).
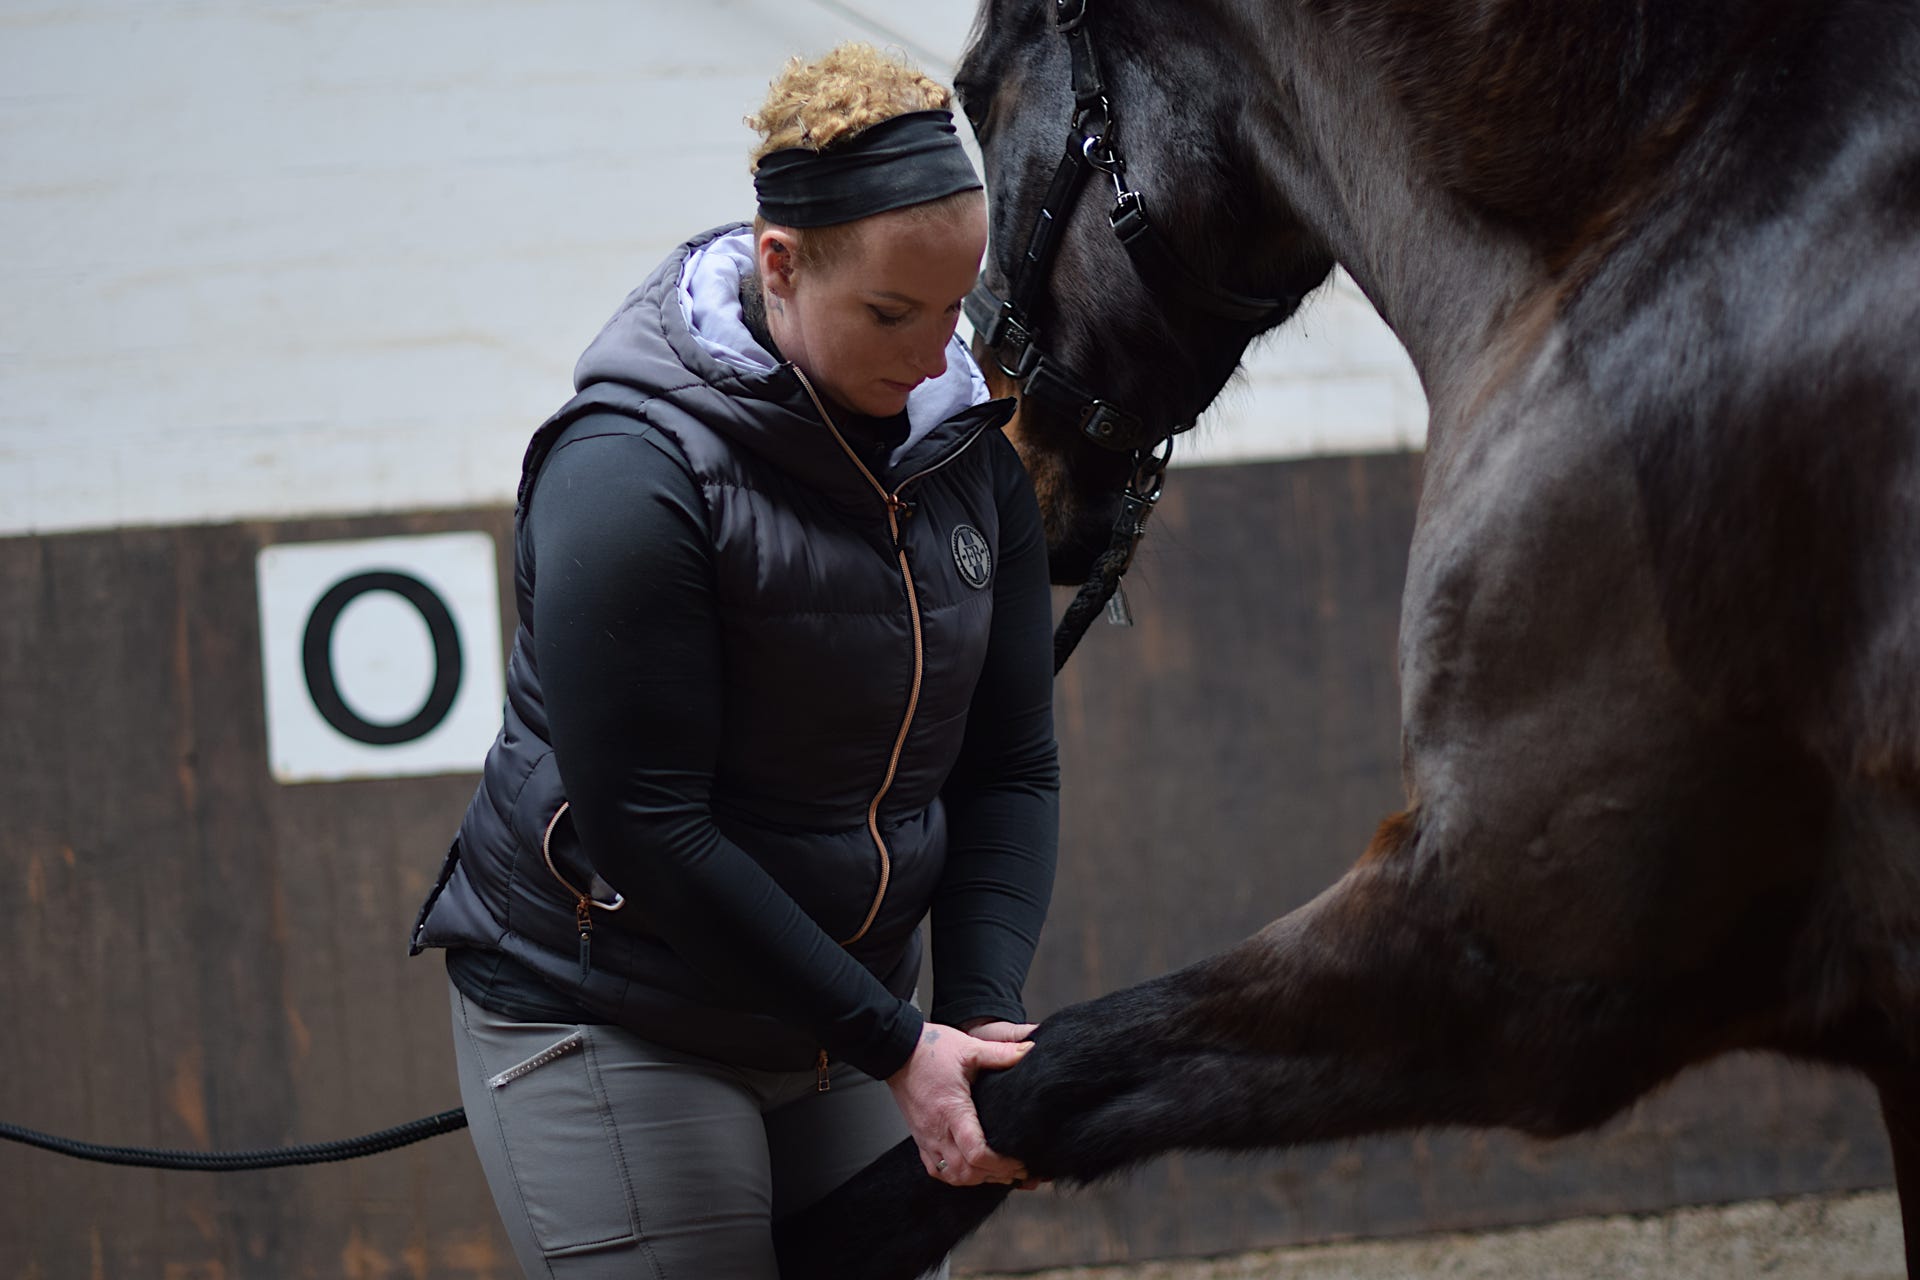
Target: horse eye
(973,106)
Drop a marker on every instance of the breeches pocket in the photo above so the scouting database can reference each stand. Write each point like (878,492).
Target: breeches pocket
(558,1128)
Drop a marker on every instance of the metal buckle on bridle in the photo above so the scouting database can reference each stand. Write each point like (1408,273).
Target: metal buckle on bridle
(1101,423)
(1141,495)
(1099,153)
(1129,215)
(1011,342)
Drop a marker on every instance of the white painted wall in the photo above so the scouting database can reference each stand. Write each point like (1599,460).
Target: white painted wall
(266,258)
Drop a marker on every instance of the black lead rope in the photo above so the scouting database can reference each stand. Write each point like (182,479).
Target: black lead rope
(234,1161)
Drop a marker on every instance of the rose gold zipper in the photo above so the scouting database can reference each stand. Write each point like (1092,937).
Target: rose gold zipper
(583,902)
(896,509)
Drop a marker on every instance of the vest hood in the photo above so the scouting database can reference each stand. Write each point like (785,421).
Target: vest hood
(681,336)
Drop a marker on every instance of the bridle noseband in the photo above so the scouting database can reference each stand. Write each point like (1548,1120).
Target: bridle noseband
(1006,325)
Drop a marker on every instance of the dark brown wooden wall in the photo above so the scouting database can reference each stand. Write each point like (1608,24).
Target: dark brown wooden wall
(194,955)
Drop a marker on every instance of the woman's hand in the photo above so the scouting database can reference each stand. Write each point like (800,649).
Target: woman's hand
(1005,1032)
(935,1094)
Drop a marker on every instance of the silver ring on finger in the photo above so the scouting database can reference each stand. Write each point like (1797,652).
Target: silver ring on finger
(941,1166)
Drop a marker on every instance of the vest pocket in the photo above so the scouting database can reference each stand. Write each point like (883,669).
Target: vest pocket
(417,940)
(558,1128)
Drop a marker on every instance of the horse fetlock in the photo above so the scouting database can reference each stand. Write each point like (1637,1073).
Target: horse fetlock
(1042,1112)
(1021,1109)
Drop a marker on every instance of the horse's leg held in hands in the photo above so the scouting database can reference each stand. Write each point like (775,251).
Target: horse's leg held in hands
(1368,1009)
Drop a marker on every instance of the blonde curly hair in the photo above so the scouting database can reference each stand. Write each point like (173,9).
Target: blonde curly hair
(815,104)
(832,98)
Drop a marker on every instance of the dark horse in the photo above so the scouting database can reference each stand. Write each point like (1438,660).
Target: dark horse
(1658,265)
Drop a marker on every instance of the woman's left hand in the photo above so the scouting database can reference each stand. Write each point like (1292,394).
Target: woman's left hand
(1009,1033)
(935,1094)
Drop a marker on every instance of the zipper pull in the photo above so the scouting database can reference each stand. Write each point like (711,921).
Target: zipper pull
(583,916)
(898,511)
(821,1083)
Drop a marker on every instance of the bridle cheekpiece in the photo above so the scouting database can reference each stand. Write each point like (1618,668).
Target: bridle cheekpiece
(1006,325)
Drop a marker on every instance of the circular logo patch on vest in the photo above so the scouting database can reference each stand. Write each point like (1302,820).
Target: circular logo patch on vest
(971,555)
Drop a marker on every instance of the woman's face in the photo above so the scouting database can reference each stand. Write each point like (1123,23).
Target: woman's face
(874,323)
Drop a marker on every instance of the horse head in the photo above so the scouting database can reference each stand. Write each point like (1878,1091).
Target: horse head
(1140,258)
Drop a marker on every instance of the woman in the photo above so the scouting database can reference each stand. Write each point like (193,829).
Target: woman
(781,686)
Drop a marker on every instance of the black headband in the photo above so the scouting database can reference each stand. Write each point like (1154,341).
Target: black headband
(909,159)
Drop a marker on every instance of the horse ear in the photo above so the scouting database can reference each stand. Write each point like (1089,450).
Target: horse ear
(778,252)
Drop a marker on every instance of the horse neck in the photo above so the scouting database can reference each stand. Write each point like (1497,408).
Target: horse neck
(1336,150)
(1462,160)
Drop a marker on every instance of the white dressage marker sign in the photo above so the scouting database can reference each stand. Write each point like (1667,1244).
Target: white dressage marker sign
(381,657)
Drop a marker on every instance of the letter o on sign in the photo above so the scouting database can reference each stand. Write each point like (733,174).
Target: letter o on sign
(317,658)
(345,629)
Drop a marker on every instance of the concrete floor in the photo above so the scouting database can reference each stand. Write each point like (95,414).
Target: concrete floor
(1841,1237)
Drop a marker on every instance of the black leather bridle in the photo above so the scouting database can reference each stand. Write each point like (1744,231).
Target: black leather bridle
(1006,326)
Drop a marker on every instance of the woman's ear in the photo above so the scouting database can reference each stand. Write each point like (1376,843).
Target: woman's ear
(779,254)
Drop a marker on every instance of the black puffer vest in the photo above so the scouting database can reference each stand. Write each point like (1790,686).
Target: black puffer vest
(855,610)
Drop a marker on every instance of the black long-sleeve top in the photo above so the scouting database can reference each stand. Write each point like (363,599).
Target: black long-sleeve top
(628,644)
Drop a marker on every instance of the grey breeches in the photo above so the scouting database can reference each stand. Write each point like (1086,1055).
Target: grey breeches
(610,1156)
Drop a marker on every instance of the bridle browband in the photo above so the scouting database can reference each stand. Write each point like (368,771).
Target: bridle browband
(1006,325)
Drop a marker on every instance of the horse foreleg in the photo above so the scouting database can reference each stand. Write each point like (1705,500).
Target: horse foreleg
(1371,1008)
(1900,1108)
(1375,1007)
